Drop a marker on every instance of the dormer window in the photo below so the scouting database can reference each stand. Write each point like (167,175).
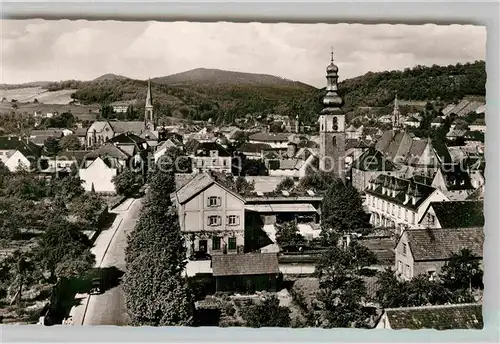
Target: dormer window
(413,200)
(407,199)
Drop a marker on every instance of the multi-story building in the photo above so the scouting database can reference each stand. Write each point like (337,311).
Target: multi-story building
(211,216)
(453,214)
(210,156)
(399,203)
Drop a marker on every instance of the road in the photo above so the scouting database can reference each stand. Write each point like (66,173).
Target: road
(109,308)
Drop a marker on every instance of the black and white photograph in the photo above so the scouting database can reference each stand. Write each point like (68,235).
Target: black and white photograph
(220,174)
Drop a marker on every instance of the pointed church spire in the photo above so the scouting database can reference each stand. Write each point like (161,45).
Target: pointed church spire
(149,100)
(148,115)
(396,120)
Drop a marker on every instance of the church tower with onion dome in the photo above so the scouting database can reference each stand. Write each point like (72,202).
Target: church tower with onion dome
(332,127)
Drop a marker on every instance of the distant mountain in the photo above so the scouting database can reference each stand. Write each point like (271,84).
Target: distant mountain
(225,77)
(110,77)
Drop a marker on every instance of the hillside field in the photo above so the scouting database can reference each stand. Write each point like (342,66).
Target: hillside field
(28,95)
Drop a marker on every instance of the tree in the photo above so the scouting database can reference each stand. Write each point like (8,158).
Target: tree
(87,207)
(286,184)
(318,181)
(127,182)
(154,297)
(61,243)
(267,314)
(51,146)
(419,291)
(462,271)
(253,167)
(68,188)
(156,291)
(342,211)
(342,291)
(175,159)
(288,234)
(70,142)
(35,101)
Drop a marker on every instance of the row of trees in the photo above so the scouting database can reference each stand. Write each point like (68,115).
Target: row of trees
(156,290)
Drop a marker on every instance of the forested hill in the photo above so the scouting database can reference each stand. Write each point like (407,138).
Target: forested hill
(448,83)
(203,76)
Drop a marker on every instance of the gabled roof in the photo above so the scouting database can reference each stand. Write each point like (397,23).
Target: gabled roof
(441,243)
(196,185)
(245,264)
(445,317)
(455,177)
(25,147)
(459,214)
(108,150)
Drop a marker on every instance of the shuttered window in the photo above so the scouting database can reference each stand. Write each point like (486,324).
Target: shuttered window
(216,243)
(233,220)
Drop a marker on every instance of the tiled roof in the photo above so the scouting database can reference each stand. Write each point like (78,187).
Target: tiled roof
(448,109)
(27,148)
(199,183)
(77,155)
(445,317)
(456,133)
(245,264)
(267,137)
(135,127)
(383,248)
(108,150)
(459,214)
(479,121)
(481,109)
(442,243)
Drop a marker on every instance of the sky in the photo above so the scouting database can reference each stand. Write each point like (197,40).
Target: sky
(39,50)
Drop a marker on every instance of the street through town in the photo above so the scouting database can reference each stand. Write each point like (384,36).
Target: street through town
(109,308)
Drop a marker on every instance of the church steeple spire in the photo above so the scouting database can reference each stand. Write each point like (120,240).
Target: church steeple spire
(148,115)
(396,115)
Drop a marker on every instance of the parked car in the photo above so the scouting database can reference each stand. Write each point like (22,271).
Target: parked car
(96,287)
(200,255)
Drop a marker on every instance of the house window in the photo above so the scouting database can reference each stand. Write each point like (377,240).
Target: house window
(413,218)
(404,249)
(430,220)
(407,270)
(399,212)
(406,215)
(431,274)
(233,220)
(400,266)
(232,244)
(214,220)
(216,243)
(213,201)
